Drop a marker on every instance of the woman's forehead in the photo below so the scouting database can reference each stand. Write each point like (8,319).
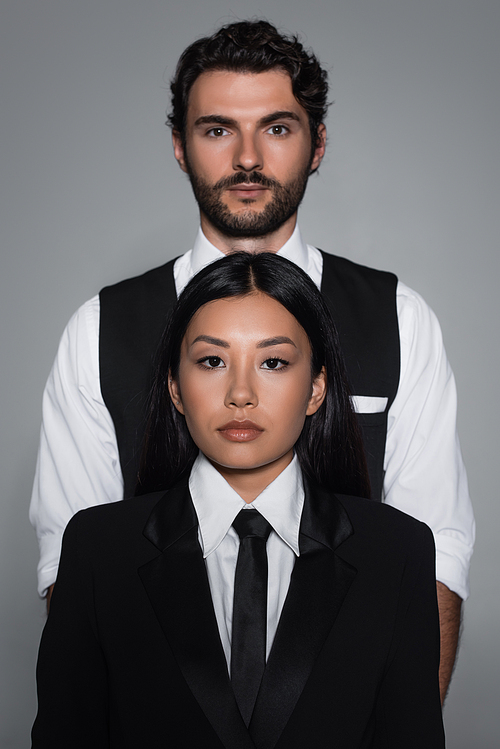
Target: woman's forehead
(252,318)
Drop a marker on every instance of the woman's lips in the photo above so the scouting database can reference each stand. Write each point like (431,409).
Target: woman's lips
(240,431)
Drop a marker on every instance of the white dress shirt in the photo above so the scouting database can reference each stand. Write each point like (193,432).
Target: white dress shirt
(217,504)
(78,462)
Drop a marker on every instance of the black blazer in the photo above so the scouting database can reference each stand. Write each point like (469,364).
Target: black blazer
(131,657)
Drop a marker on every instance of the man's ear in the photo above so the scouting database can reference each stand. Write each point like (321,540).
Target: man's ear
(179,150)
(320,148)
(175,394)
(318,393)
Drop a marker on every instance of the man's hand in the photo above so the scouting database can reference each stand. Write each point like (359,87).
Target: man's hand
(449,623)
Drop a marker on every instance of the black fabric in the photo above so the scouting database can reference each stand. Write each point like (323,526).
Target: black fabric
(363,304)
(248,636)
(133,315)
(131,654)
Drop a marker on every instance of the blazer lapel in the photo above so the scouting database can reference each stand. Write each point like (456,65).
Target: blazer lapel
(318,586)
(177,585)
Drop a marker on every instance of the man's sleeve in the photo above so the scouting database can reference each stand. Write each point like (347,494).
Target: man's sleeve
(78,464)
(425,475)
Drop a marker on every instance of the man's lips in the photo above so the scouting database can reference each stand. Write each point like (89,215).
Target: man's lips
(245,190)
(240,431)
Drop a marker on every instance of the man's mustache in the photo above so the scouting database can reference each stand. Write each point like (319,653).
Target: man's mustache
(244,178)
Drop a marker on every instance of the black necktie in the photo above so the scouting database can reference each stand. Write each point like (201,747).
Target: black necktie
(248,639)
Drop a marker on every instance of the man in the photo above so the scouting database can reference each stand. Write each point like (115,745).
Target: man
(248,106)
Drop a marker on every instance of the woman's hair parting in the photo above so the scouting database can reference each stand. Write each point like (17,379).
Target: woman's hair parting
(251,47)
(329,449)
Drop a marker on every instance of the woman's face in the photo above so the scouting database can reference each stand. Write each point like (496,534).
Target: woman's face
(244,384)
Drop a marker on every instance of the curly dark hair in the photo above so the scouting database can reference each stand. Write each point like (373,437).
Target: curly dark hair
(254,47)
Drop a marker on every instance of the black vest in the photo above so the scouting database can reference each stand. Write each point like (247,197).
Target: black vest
(133,315)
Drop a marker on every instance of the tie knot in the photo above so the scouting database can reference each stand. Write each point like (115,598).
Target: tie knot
(251,523)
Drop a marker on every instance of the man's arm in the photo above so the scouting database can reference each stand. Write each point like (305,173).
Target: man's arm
(49,596)
(425,476)
(450,606)
(78,464)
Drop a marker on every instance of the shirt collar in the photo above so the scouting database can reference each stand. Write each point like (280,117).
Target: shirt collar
(217,504)
(204,252)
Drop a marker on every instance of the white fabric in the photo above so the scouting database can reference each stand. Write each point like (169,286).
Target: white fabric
(217,504)
(204,252)
(78,462)
(369,404)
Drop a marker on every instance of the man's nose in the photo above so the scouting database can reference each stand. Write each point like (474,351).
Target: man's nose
(248,156)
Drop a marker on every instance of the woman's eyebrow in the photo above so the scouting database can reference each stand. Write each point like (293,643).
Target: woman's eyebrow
(262,344)
(212,340)
(275,341)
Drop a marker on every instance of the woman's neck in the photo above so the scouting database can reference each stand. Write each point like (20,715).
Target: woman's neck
(251,482)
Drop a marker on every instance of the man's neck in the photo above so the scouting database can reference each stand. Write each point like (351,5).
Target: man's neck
(272,242)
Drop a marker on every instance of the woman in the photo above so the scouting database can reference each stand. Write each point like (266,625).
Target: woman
(149,643)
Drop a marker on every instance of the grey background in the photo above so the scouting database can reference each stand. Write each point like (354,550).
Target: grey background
(91,194)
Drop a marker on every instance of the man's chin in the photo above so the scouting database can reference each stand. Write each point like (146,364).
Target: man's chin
(244,223)
(248,218)
(241,206)
(246,229)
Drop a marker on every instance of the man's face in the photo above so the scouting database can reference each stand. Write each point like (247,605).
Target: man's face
(247,151)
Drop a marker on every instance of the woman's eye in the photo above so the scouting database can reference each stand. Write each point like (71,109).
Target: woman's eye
(274,364)
(212,362)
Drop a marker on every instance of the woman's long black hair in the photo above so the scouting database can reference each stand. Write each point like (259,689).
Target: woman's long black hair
(329,449)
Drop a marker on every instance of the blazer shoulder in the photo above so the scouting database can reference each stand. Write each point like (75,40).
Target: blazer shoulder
(386,527)
(114,519)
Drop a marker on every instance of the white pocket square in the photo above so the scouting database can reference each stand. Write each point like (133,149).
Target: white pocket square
(368,404)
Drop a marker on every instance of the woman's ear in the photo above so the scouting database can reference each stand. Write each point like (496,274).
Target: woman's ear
(175,394)
(318,393)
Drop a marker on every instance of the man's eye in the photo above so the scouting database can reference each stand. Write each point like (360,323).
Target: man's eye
(212,362)
(217,132)
(274,364)
(278,130)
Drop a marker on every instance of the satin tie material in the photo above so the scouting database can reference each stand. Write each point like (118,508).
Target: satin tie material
(248,639)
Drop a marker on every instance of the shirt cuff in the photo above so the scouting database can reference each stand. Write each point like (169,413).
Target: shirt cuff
(452,564)
(50,551)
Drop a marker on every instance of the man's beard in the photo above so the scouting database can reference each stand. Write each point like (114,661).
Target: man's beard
(285,200)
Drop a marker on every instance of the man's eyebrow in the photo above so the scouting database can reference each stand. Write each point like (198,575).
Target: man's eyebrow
(210,339)
(281,114)
(275,341)
(211,119)
(219,119)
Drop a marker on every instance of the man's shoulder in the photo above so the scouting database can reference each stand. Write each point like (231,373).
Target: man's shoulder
(151,278)
(342,266)
(129,305)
